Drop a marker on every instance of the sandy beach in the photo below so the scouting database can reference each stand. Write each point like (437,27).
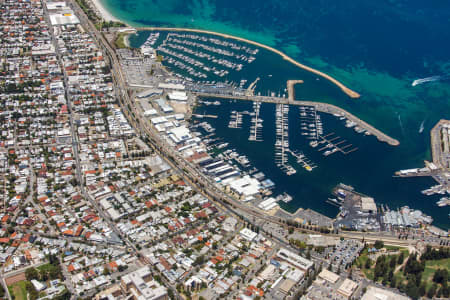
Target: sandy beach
(126,40)
(103,12)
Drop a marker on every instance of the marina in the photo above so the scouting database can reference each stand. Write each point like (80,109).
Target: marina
(256,124)
(196,58)
(234,87)
(319,106)
(312,129)
(302,160)
(311,122)
(226,164)
(149,44)
(358,157)
(297,149)
(332,144)
(196,32)
(282,139)
(235,120)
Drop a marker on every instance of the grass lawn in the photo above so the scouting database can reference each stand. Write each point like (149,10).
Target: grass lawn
(405,252)
(45,268)
(392,248)
(19,290)
(432,266)
(361,261)
(120,41)
(368,273)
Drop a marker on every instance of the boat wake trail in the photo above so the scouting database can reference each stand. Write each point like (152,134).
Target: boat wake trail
(429,79)
(401,124)
(421,126)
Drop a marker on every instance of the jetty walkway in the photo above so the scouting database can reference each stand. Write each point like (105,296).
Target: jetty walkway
(320,106)
(345,89)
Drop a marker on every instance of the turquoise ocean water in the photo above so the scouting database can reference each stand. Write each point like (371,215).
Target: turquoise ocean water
(376,48)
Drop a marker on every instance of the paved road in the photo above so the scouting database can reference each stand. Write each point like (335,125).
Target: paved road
(190,172)
(122,94)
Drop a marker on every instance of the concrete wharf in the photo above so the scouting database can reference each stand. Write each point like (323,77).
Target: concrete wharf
(251,87)
(320,106)
(205,116)
(440,148)
(290,88)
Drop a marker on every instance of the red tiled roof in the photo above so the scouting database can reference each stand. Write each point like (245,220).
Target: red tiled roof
(113,265)
(164,262)
(68,232)
(79,230)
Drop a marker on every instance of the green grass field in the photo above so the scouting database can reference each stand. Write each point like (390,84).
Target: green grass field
(391,248)
(19,290)
(432,266)
(45,268)
(120,41)
(360,262)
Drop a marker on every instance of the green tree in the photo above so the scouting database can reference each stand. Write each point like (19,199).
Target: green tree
(380,268)
(432,291)
(390,275)
(413,266)
(199,260)
(368,263)
(393,262)
(378,244)
(445,290)
(412,290)
(32,293)
(401,257)
(393,283)
(31,273)
(170,294)
(422,289)
(440,276)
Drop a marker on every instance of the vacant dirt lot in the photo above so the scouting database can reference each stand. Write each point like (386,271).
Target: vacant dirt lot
(15,278)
